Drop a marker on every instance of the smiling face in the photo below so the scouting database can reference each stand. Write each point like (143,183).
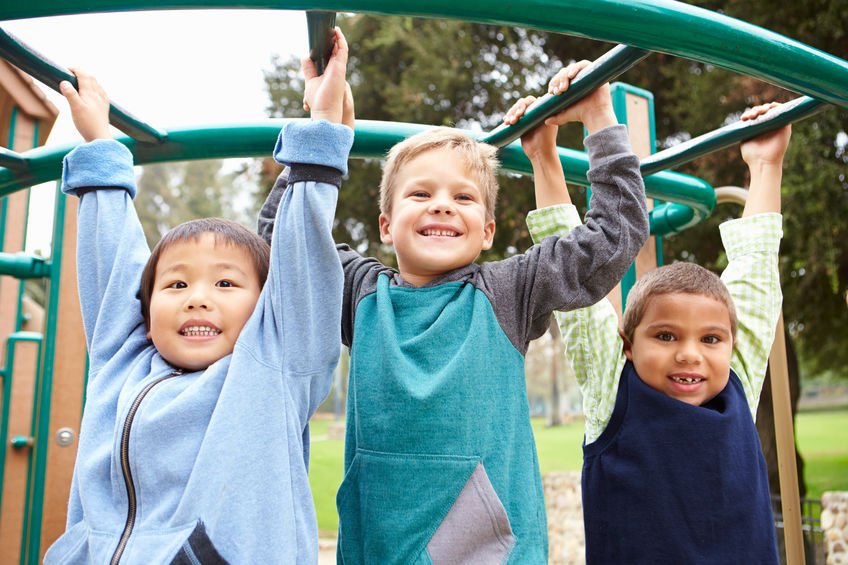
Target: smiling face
(203,293)
(438,219)
(682,346)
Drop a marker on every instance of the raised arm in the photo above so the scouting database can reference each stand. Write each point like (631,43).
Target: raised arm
(111,247)
(304,288)
(752,244)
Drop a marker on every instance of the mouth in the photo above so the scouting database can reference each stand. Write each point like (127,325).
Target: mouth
(687,380)
(439,232)
(197,330)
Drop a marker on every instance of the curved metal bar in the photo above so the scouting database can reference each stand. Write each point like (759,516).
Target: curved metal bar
(51,74)
(655,25)
(726,136)
(319,26)
(603,69)
(372,141)
(11,159)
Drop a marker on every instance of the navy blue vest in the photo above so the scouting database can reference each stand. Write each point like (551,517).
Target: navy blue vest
(668,482)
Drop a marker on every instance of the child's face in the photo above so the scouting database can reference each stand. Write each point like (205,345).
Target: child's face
(682,346)
(438,219)
(202,296)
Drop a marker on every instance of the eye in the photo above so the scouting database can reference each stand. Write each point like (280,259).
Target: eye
(224,284)
(177,284)
(419,194)
(665,336)
(466,197)
(711,339)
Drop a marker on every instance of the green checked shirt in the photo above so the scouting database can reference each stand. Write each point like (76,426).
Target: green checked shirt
(594,347)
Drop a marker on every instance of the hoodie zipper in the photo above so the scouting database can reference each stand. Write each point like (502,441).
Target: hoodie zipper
(125,466)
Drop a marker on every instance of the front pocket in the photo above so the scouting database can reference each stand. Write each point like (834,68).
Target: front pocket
(392,504)
(198,550)
(476,530)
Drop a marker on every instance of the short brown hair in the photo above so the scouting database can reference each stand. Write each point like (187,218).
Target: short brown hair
(224,231)
(684,277)
(481,159)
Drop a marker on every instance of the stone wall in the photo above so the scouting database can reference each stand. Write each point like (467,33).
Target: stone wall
(834,523)
(566,540)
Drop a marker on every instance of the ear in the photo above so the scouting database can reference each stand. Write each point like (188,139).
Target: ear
(488,234)
(385,235)
(626,346)
(148,335)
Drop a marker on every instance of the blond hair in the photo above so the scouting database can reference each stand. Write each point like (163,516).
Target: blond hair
(687,278)
(481,159)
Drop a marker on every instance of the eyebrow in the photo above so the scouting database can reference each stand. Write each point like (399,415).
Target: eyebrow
(221,266)
(675,326)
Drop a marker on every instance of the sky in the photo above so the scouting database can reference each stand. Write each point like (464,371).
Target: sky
(168,68)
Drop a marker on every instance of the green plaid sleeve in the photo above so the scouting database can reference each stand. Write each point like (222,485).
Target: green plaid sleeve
(753,279)
(592,344)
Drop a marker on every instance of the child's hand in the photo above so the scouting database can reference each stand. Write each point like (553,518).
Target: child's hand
(89,106)
(538,141)
(594,110)
(767,148)
(764,156)
(324,94)
(347,108)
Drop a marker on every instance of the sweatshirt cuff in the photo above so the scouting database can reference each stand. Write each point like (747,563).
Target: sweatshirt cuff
(98,164)
(553,220)
(760,233)
(314,143)
(607,144)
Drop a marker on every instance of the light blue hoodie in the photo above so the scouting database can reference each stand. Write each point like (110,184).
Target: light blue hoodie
(221,453)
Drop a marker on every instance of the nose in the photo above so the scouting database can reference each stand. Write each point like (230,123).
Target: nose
(442,205)
(197,300)
(688,352)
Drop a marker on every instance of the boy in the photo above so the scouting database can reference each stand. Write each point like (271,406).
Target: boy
(440,463)
(194,441)
(673,471)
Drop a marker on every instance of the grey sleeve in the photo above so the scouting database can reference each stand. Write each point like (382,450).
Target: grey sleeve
(575,271)
(265,222)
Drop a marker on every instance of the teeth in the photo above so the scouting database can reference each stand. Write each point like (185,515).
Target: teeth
(204,331)
(686,380)
(442,233)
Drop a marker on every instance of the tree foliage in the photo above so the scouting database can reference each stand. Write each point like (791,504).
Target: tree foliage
(171,193)
(467,75)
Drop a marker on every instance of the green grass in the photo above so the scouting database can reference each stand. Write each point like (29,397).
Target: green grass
(822,438)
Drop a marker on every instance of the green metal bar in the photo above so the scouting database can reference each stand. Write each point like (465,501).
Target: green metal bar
(731,134)
(11,159)
(6,375)
(31,536)
(51,74)
(320,28)
(605,68)
(23,266)
(655,25)
(373,139)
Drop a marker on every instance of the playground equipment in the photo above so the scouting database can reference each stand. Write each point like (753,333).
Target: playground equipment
(31,516)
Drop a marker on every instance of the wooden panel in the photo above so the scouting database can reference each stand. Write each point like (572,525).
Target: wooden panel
(17,460)
(639,129)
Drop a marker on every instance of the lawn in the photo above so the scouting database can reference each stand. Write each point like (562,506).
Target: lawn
(822,437)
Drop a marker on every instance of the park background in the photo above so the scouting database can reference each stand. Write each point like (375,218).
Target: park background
(467,75)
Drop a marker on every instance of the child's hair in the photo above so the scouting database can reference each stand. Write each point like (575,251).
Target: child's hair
(687,278)
(224,231)
(481,159)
